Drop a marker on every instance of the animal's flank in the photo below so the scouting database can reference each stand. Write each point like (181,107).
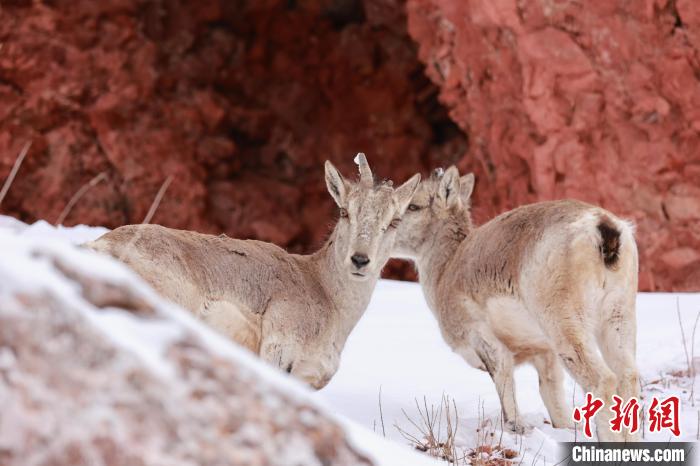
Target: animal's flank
(552,284)
(295,311)
(610,241)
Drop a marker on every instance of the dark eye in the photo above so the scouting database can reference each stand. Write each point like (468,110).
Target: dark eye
(395,223)
(413,207)
(343,213)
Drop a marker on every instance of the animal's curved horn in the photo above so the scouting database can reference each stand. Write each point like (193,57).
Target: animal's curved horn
(366,177)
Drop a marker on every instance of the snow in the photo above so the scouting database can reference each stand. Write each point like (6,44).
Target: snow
(75,235)
(29,255)
(396,348)
(383,451)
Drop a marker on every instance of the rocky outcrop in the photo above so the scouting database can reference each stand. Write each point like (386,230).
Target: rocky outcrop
(240,102)
(94,369)
(598,101)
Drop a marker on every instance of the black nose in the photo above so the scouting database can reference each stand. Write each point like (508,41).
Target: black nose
(360,260)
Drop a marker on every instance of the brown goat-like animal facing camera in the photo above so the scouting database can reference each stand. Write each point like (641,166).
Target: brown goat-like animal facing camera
(295,311)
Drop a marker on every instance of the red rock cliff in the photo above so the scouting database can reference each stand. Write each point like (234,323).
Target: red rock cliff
(240,102)
(593,100)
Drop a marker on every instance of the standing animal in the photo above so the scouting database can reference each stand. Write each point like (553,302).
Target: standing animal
(295,311)
(552,284)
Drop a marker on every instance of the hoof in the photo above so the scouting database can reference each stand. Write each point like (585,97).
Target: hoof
(516,428)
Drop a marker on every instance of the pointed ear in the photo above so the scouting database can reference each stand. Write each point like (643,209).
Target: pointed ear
(448,188)
(466,187)
(404,193)
(336,184)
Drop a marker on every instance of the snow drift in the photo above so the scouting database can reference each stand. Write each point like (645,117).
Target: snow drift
(96,369)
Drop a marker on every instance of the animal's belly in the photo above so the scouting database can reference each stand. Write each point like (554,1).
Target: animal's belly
(516,328)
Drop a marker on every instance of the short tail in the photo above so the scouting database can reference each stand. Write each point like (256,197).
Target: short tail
(610,242)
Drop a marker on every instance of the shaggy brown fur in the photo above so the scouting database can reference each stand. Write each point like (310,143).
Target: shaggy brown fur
(295,311)
(552,284)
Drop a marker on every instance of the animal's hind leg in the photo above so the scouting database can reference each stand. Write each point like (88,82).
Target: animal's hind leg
(618,344)
(579,354)
(617,341)
(498,361)
(551,378)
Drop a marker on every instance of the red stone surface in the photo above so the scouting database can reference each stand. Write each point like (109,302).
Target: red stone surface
(240,102)
(593,100)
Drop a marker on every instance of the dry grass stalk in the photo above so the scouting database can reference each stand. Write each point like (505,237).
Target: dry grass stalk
(691,369)
(429,425)
(76,197)
(489,451)
(15,169)
(487,455)
(437,433)
(149,215)
(680,324)
(381,412)
(157,200)
(436,429)
(689,354)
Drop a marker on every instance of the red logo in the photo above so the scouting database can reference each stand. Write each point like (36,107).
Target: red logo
(587,412)
(627,415)
(662,414)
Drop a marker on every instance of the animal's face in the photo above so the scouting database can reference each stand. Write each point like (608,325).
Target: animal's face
(434,202)
(369,215)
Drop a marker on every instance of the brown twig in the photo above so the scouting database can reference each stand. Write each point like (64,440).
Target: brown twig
(381,413)
(683,340)
(158,198)
(76,197)
(149,216)
(691,368)
(429,428)
(15,169)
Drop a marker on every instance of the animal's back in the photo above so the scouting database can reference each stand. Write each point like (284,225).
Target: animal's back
(193,269)
(491,260)
(510,270)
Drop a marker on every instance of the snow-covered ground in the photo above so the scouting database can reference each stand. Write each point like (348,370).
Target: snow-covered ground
(397,349)
(30,254)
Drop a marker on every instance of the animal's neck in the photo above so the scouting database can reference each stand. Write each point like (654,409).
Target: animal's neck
(349,297)
(440,250)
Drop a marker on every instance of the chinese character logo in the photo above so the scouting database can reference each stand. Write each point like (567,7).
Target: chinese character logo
(586,413)
(627,415)
(662,414)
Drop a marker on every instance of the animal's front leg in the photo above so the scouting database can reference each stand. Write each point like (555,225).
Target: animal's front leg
(278,354)
(498,361)
(238,325)
(278,346)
